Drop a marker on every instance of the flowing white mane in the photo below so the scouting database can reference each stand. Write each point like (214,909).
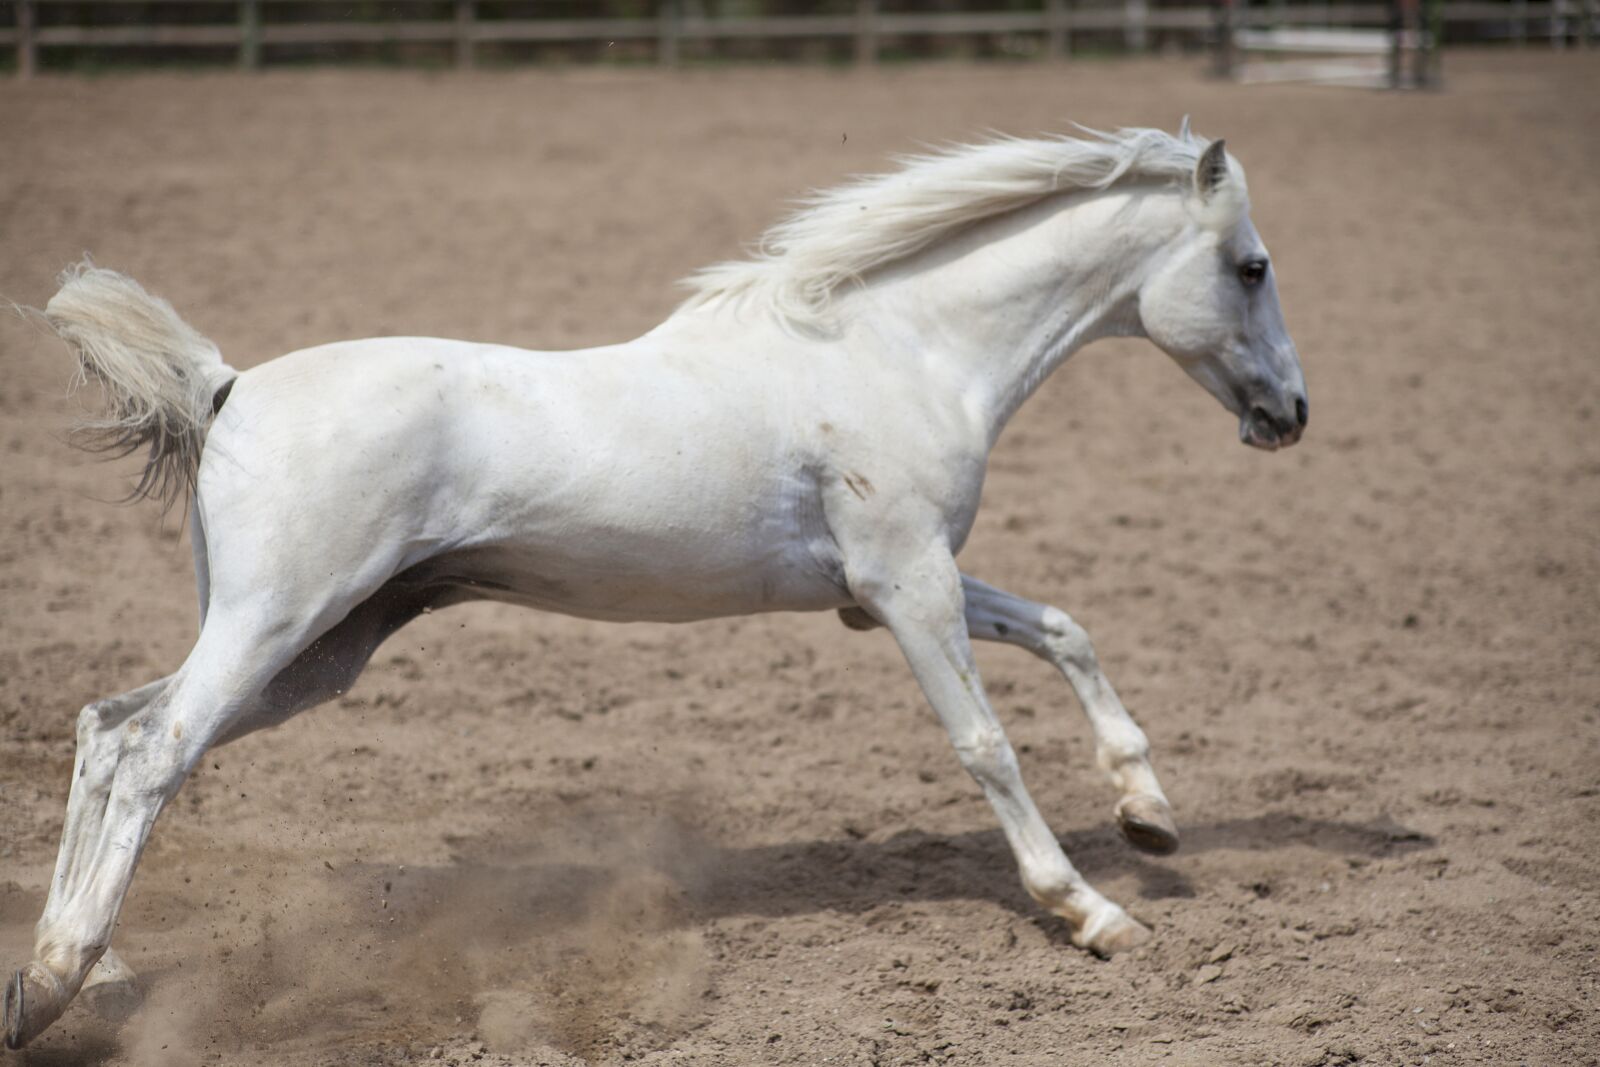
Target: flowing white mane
(839,235)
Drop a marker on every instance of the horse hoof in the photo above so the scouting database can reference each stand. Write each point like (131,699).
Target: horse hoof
(112,989)
(34,999)
(1147,823)
(1118,933)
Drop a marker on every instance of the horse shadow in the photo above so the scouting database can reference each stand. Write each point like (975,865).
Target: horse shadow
(854,876)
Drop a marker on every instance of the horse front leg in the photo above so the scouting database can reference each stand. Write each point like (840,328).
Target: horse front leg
(1121,748)
(921,603)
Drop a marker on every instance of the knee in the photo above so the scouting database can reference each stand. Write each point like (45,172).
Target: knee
(987,756)
(1068,641)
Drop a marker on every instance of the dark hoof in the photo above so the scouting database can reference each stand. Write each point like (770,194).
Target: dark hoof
(1148,825)
(35,998)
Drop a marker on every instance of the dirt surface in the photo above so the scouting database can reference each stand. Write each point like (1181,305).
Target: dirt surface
(1368,665)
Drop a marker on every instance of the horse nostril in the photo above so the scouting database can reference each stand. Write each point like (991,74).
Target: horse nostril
(1300,410)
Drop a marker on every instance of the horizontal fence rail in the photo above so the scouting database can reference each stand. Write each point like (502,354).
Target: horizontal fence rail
(1053,22)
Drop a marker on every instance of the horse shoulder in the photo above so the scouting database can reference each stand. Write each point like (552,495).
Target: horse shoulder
(901,468)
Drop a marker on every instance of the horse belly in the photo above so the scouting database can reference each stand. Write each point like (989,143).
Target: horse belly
(607,492)
(641,579)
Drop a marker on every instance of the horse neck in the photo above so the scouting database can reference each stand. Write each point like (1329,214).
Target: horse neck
(996,309)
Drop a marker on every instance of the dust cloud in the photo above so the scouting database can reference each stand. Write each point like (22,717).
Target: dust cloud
(577,941)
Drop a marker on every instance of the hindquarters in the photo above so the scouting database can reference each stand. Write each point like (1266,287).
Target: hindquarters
(325,474)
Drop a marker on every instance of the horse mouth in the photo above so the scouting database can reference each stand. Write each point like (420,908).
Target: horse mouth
(1258,429)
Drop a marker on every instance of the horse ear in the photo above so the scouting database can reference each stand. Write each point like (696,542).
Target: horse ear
(1212,170)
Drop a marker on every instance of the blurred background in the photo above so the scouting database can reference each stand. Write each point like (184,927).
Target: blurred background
(93,34)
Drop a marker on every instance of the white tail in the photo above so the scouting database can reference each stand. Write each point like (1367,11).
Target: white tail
(160,375)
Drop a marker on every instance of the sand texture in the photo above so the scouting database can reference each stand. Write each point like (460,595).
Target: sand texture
(1369,665)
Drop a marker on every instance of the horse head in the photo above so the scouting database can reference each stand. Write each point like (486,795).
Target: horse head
(1211,303)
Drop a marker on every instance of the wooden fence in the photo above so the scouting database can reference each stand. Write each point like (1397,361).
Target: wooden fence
(1053,22)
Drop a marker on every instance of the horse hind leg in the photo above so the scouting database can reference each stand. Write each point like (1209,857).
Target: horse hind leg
(239,678)
(111,989)
(111,984)
(99,728)
(138,753)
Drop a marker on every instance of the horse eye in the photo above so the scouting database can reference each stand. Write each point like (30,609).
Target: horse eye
(1253,272)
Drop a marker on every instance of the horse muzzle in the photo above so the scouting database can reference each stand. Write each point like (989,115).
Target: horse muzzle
(1264,427)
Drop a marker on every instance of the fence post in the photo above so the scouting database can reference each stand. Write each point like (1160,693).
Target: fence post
(1058,31)
(1135,15)
(1432,44)
(1399,26)
(866,32)
(668,32)
(466,21)
(1226,59)
(249,34)
(27,53)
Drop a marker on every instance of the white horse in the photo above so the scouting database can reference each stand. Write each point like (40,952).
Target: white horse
(808,432)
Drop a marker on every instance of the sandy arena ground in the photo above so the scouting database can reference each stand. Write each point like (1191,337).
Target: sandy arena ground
(1368,665)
